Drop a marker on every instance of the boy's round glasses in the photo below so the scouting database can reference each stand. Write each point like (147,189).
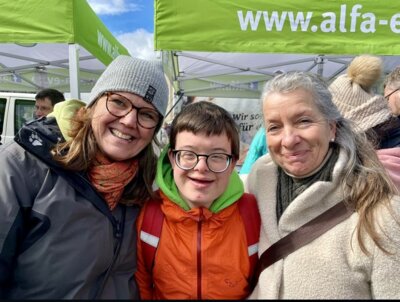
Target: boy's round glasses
(216,162)
(120,106)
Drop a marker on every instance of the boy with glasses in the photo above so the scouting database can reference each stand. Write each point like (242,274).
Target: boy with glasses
(204,249)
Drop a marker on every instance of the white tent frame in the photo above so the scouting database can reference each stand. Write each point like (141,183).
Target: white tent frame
(68,54)
(201,69)
(72,63)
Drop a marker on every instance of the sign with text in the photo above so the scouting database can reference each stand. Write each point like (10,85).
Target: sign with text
(290,26)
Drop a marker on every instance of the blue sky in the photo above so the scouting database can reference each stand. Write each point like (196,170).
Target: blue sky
(131,22)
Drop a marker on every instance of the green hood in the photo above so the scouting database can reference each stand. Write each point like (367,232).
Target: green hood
(165,181)
(63,112)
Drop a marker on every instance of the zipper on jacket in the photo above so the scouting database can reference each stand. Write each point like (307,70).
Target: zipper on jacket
(118,230)
(118,233)
(199,272)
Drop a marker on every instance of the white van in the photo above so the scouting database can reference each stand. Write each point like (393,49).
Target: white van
(15,110)
(18,108)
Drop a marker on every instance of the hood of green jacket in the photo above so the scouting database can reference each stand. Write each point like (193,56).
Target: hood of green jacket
(166,183)
(63,112)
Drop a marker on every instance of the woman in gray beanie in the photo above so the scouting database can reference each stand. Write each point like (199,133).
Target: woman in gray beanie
(71,186)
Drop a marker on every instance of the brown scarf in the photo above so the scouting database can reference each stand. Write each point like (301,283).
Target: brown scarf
(110,178)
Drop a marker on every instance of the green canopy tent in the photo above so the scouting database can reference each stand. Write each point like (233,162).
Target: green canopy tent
(53,43)
(223,48)
(226,50)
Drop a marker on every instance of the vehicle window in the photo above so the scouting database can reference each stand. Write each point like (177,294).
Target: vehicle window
(24,110)
(2,112)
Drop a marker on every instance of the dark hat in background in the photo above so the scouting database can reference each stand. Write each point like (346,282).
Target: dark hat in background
(352,93)
(142,77)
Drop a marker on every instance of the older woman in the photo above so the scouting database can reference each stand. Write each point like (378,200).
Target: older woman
(70,196)
(315,161)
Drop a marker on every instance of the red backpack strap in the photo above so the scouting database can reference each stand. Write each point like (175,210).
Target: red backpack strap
(150,232)
(252,222)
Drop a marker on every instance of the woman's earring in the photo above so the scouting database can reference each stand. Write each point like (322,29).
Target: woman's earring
(332,139)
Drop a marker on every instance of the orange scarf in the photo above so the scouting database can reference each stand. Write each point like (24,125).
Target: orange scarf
(110,178)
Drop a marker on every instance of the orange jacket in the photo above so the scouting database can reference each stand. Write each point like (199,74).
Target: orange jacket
(201,255)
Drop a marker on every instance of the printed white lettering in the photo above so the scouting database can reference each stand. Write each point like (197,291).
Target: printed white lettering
(342,24)
(269,22)
(368,26)
(395,23)
(328,25)
(302,21)
(354,14)
(111,50)
(249,18)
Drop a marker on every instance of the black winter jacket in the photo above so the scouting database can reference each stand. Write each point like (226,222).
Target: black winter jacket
(58,239)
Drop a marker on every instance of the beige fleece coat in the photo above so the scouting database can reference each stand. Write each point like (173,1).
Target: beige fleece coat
(332,266)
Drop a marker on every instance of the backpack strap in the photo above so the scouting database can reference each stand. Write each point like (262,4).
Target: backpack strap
(150,232)
(252,222)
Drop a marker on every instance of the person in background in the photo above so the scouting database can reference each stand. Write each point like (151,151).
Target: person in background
(391,87)
(316,159)
(258,148)
(202,251)
(389,156)
(72,184)
(353,95)
(45,101)
(164,134)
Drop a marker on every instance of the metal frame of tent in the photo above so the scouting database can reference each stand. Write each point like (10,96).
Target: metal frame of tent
(202,73)
(53,43)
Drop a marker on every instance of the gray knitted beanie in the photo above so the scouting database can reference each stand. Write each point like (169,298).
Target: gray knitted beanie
(352,94)
(141,77)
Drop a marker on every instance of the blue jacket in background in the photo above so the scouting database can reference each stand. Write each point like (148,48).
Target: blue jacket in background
(258,147)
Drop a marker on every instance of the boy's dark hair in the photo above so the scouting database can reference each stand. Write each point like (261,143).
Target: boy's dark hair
(206,118)
(54,95)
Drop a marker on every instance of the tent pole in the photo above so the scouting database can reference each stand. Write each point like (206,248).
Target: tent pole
(73,50)
(320,60)
(180,94)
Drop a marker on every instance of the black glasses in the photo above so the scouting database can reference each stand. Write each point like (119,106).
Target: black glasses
(216,162)
(120,106)
(388,96)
